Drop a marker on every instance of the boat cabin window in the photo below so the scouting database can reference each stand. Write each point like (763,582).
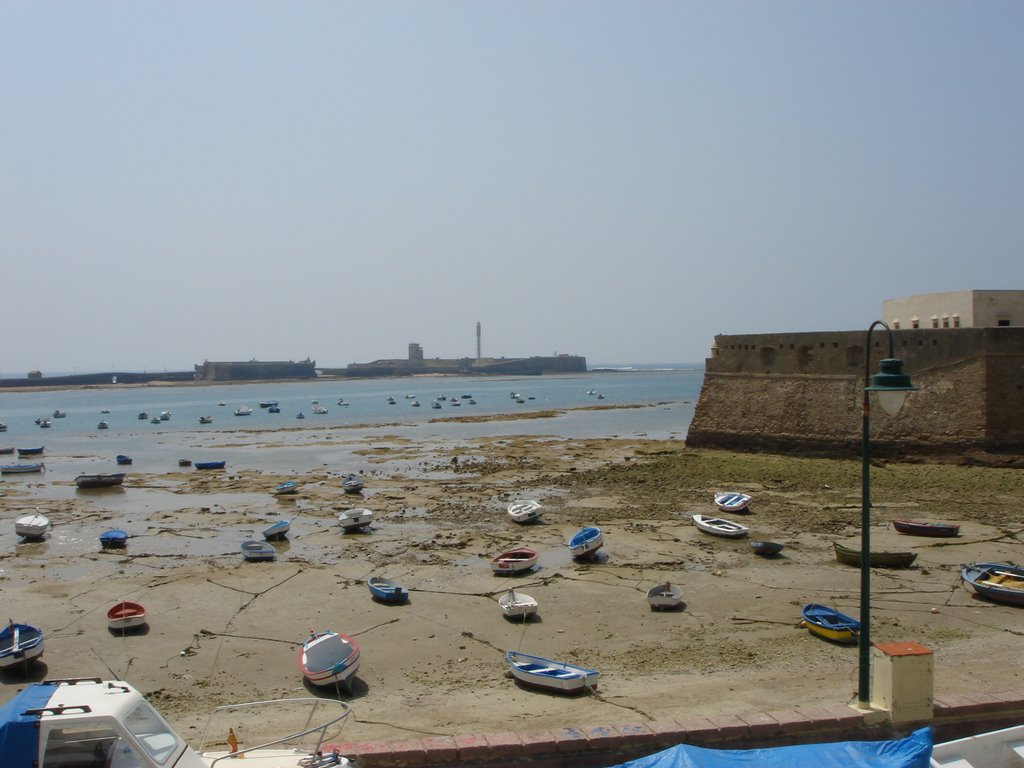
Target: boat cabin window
(89,745)
(155,736)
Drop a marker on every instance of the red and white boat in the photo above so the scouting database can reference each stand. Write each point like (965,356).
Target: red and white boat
(328,657)
(125,615)
(732,502)
(514,561)
(915,528)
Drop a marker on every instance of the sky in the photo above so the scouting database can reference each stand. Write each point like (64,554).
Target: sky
(187,181)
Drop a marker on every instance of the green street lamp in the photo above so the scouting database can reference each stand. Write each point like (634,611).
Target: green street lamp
(892,386)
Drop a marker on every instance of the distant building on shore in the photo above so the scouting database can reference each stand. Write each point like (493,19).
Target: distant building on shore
(417,364)
(801,392)
(254,370)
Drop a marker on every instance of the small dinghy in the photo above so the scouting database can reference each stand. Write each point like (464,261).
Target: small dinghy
(935,530)
(257,551)
(287,488)
(387,590)
(206,419)
(32,527)
(586,541)
(110,480)
(999,582)
(184,462)
(766,548)
(19,644)
(830,624)
(517,605)
(732,502)
(540,672)
(352,483)
(209,464)
(354,519)
(126,615)
(328,657)
(717,526)
(518,560)
(115,538)
(278,530)
(31,451)
(525,510)
(122,459)
(22,469)
(664,596)
(876,559)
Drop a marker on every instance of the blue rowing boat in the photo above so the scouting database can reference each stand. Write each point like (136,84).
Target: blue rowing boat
(115,538)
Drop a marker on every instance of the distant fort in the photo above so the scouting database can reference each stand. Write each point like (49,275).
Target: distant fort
(800,393)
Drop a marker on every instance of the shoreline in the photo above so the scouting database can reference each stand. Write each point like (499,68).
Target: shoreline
(222,630)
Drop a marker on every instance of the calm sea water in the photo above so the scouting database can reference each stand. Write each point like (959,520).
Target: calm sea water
(669,395)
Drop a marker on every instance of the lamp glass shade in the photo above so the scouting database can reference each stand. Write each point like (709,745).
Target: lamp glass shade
(891,384)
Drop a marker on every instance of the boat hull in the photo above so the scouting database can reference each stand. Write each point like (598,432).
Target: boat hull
(525,511)
(277,531)
(586,542)
(664,597)
(386,590)
(257,551)
(934,530)
(998,582)
(848,556)
(114,539)
(32,526)
(514,561)
(20,644)
(517,605)
(328,657)
(539,672)
(830,624)
(716,526)
(126,615)
(353,519)
(732,502)
(21,469)
(100,481)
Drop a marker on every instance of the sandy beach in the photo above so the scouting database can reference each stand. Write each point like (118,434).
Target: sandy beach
(222,630)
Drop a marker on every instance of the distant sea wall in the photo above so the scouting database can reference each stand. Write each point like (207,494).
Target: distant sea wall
(801,393)
(255,370)
(97,379)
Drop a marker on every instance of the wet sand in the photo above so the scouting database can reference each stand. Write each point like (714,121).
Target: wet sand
(222,630)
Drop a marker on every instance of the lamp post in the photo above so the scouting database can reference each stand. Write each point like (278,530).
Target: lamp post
(892,386)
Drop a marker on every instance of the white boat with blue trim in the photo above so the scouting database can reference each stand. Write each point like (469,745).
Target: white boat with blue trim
(540,672)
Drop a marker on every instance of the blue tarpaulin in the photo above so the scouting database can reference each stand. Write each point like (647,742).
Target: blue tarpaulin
(19,732)
(912,752)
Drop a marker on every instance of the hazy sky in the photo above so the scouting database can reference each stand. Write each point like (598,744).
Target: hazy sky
(228,180)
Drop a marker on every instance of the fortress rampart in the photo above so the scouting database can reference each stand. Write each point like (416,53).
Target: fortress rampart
(801,392)
(255,370)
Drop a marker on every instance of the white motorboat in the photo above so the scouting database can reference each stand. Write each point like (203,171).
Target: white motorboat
(90,721)
(993,749)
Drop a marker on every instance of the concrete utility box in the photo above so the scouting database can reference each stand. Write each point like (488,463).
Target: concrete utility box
(903,680)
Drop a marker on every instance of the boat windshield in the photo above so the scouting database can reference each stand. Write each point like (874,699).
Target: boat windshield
(96,742)
(155,736)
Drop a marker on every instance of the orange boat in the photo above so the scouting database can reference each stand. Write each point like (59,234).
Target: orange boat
(126,615)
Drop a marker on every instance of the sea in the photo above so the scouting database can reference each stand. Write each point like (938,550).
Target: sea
(654,401)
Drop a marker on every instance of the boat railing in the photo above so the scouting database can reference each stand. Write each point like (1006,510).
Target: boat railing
(307,729)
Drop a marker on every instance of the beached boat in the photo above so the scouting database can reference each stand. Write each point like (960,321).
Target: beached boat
(992,749)
(257,551)
(115,538)
(95,722)
(766,548)
(665,596)
(6,451)
(518,560)
(935,530)
(387,590)
(848,556)
(22,469)
(352,483)
(19,644)
(732,502)
(525,510)
(31,451)
(108,480)
(353,519)
(122,459)
(32,526)
(586,541)
(540,672)
(999,582)
(126,615)
(209,464)
(717,526)
(830,624)
(286,488)
(517,605)
(278,530)
(328,657)
(184,462)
